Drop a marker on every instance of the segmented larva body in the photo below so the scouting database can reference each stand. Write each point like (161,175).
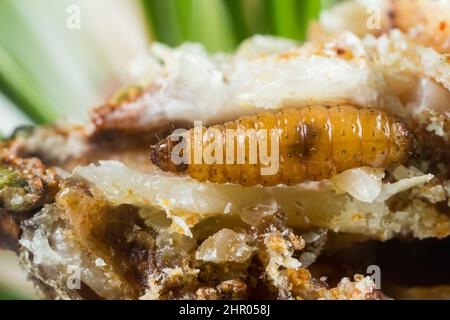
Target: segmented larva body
(315,143)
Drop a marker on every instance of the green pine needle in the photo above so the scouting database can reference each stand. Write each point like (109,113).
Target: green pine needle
(286,18)
(162,15)
(18,85)
(7,294)
(221,24)
(238,16)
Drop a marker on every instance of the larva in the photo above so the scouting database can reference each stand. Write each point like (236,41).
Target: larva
(315,143)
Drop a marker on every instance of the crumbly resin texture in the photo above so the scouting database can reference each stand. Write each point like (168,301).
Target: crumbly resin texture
(126,252)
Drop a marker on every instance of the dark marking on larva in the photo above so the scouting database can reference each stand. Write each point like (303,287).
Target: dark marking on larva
(315,143)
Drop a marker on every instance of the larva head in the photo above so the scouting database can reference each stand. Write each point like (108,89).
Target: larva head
(161,156)
(401,140)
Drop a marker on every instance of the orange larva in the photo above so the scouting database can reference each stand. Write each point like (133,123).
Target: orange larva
(315,143)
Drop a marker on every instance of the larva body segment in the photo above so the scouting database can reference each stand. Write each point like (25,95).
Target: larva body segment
(313,143)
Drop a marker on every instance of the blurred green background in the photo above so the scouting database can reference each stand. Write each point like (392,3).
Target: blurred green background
(59,58)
